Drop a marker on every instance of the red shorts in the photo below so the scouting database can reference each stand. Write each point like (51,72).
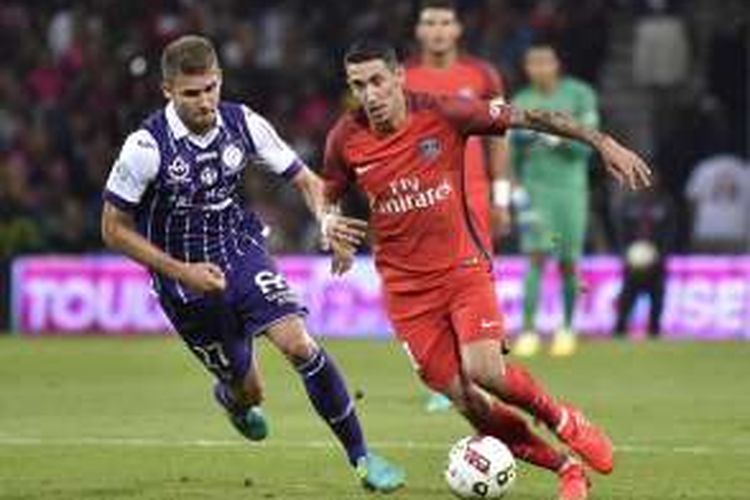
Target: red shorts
(433,324)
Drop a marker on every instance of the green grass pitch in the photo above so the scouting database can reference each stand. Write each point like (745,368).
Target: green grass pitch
(134,419)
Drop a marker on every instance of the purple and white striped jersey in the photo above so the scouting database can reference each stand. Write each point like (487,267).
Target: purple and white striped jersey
(184,189)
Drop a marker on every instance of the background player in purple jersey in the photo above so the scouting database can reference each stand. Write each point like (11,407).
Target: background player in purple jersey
(172,203)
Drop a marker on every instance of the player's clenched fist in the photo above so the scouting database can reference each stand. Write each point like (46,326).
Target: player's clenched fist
(203,277)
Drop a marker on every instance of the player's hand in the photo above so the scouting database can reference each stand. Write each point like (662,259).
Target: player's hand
(340,229)
(203,277)
(343,257)
(625,165)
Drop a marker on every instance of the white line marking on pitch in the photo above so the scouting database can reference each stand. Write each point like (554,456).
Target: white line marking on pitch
(6,440)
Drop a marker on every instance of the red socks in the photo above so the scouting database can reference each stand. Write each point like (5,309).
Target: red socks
(521,390)
(508,426)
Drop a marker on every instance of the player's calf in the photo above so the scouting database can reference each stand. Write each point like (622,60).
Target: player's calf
(292,339)
(491,417)
(511,383)
(330,397)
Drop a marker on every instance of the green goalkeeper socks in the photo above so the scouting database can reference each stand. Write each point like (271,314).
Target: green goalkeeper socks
(531,295)
(570,292)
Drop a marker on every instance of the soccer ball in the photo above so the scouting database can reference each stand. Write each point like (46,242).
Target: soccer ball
(641,254)
(480,467)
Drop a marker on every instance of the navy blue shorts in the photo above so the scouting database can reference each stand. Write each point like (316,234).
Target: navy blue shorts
(219,329)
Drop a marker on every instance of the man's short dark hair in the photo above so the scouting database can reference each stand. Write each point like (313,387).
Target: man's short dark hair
(542,42)
(438,4)
(368,50)
(188,55)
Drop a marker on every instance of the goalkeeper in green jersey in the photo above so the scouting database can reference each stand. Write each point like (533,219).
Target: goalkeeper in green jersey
(552,200)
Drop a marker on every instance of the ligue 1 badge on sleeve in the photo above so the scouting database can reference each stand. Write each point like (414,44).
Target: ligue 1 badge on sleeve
(429,148)
(232,157)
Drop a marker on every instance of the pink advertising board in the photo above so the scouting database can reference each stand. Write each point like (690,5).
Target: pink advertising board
(707,297)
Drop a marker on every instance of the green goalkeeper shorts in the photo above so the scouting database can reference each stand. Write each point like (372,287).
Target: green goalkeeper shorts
(555,223)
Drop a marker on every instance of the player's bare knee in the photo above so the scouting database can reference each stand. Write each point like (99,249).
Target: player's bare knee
(291,338)
(485,375)
(300,348)
(483,365)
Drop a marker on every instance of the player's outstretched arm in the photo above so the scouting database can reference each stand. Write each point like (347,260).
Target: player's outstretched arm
(339,233)
(119,233)
(625,165)
(334,227)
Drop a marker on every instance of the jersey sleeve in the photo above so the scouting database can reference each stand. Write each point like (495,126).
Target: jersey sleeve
(135,168)
(494,86)
(336,173)
(275,153)
(476,116)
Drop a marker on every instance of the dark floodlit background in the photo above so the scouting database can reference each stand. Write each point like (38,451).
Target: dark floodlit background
(76,77)
(98,400)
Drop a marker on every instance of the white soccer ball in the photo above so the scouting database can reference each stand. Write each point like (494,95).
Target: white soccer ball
(480,467)
(641,254)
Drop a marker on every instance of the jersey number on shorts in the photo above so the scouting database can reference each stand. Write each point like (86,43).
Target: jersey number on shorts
(212,356)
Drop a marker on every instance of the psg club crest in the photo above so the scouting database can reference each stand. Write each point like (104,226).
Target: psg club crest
(178,170)
(232,157)
(429,148)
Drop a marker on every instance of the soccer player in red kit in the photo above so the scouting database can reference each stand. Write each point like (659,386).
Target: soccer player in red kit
(405,152)
(441,68)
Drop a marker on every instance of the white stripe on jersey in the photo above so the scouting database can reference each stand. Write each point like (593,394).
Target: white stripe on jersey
(222,239)
(186,239)
(205,239)
(233,227)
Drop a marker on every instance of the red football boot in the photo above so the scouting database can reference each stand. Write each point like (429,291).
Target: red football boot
(586,439)
(574,485)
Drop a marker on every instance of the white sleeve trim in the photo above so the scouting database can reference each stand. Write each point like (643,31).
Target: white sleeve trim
(269,146)
(135,168)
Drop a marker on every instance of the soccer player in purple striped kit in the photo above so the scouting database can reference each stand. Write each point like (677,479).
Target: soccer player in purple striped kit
(172,202)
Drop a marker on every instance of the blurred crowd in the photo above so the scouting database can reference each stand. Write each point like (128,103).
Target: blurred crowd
(77,76)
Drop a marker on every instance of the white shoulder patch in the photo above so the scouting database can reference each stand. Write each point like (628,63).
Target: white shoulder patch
(135,167)
(270,147)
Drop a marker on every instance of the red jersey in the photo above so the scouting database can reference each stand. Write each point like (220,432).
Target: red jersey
(413,180)
(467,77)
